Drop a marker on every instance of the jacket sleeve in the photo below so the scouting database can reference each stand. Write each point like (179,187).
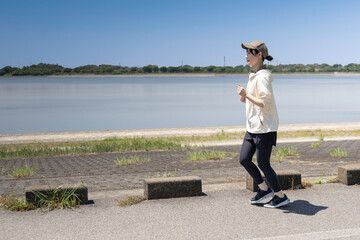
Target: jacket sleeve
(265,91)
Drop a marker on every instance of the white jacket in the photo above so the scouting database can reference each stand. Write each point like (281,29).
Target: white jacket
(261,119)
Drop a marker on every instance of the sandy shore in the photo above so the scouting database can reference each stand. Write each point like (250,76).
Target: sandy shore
(161,132)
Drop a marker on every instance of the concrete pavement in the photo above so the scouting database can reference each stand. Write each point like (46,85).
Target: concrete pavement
(327,211)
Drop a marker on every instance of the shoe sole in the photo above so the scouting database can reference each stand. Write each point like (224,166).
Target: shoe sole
(287,201)
(263,198)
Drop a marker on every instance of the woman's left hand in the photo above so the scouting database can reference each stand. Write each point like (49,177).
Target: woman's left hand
(241,91)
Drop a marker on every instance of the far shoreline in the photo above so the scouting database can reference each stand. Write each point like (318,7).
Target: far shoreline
(191,75)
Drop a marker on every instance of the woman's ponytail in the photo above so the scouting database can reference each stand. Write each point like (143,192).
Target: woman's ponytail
(269,58)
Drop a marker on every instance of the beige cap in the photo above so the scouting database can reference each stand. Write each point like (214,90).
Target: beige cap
(260,46)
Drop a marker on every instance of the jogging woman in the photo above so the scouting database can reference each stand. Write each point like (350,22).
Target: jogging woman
(261,125)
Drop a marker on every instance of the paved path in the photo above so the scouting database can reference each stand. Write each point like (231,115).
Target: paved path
(327,211)
(100,172)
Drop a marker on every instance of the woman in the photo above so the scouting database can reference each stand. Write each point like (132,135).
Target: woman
(261,124)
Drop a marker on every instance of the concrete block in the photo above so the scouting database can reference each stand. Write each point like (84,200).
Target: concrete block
(289,179)
(349,174)
(172,187)
(81,192)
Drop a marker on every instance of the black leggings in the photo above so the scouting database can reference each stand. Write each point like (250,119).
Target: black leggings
(262,145)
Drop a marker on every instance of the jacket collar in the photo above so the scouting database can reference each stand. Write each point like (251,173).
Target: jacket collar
(252,75)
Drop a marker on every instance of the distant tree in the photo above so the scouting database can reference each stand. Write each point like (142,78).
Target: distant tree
(186,69)
(155,68)
(197,69)
(163,69)
(353,67)
(7,70)
(147,69)
(67,70)
(173,69)
(210,68)
(219,69)
(337,66)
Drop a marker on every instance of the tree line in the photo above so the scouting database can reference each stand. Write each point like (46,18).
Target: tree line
(43,69)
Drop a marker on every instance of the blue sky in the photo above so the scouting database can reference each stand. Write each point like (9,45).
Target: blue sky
(171,33)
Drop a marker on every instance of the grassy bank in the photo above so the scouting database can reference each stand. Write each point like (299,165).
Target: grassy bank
(146,144)
(107,145)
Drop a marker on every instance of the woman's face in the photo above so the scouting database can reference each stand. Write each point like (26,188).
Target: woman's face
(253,60)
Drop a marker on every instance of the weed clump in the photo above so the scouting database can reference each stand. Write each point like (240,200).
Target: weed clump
(315,145)
(306,184)
(20,172)
(132,160)
(281,153)
(338,152)
(166,174)
(57,198)
(206,155)
(11,202)
(130,201)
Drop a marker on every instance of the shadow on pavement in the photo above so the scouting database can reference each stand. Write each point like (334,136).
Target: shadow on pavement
(302,207)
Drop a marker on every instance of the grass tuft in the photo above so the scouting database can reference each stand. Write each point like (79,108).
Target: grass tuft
(22,171)
(129,201)
(315,145)
(279,154)
(338,152)
(58,198)
(320,181)
(306,184)
(132,160)
(166,174)
(3,170)
(333,180)
(12,203)
(321,137)
(206,155)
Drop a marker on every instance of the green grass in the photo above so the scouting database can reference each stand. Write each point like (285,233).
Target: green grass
(142,144)
(3,170)
(166,174)
(333,180)
(279,154)
(12,203)
(213,137)
(132,160)
(129,201)
(319,181)
(206,155)
(315,145)
(338,152)
(58,198)
(107,145)
(22,171)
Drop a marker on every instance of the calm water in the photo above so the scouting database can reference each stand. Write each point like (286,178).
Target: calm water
(52,104)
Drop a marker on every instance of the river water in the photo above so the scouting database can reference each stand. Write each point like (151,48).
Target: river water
(54,104)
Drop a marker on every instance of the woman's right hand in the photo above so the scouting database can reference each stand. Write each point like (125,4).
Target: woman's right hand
(243,99)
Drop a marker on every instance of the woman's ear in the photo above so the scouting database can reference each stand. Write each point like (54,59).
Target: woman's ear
(260,54)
